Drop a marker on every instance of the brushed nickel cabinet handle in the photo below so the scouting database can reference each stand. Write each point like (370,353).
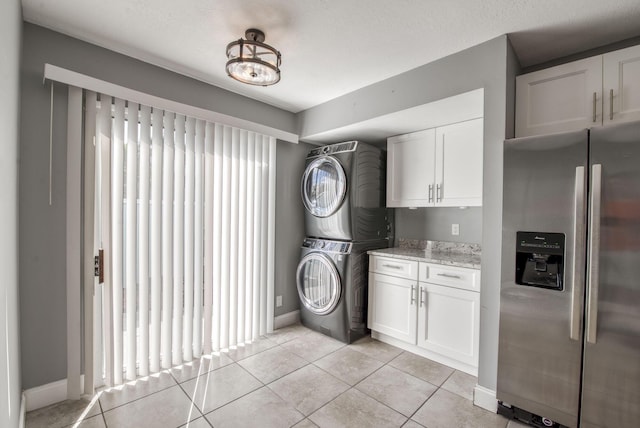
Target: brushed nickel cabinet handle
(611,104)
(448,275)
(423,291)
(392,266)
(413,294)
(430,193)
(594,106)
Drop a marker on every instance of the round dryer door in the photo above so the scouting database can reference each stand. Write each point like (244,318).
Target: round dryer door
(318,283)
(324,186)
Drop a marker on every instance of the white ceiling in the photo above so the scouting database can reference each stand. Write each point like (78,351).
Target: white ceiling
(332,47)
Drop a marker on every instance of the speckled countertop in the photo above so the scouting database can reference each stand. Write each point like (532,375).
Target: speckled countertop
(444,253)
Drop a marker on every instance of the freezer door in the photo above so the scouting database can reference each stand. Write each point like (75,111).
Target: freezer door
(611,379)
(540,345)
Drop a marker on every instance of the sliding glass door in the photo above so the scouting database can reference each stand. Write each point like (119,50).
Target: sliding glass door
(183,213)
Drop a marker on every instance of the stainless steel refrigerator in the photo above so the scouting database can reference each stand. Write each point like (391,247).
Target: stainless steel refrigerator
(569,348)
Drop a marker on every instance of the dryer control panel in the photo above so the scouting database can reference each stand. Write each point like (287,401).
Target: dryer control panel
(348,146)
(327,245)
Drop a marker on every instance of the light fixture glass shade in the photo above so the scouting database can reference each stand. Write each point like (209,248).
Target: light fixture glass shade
(252,61)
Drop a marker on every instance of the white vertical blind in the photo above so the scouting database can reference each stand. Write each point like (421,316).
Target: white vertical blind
(155,239)
(242,235)
(233,242)
(178,239)
(226,237)
(217,231)
(191,209)
(198,256)
(131,237)
(117,191)
(143,240)
(189,238)
(167,238)
(208,235)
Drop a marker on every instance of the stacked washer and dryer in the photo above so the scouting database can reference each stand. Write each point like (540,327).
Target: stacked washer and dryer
(343,191)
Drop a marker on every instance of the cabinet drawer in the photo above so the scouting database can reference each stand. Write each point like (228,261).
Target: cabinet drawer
(451,276)
(394,267)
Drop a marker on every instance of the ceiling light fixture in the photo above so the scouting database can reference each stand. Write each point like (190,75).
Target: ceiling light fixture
(252,61)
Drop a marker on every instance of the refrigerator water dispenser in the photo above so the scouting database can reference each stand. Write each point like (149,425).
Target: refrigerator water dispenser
(540,259)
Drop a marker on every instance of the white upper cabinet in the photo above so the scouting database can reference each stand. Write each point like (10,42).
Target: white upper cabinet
(621,85)
(591,92)
(411,160)
(459,164)
(561,98)
(442,165)
(436,167)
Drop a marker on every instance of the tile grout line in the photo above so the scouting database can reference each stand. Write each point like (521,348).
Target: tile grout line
(191,399)
(104,418)
(141,397)
(237,398)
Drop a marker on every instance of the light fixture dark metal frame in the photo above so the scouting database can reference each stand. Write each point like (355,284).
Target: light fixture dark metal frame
(254,40)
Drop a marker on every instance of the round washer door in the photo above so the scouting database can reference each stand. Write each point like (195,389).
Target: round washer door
(319,284)
(324,186)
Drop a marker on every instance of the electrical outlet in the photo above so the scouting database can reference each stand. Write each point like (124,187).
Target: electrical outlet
(278,301)
(455,229)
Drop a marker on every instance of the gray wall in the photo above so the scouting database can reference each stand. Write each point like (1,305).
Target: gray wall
(42,227)
(289,222)
(435,224)
(10,379)
(487,65)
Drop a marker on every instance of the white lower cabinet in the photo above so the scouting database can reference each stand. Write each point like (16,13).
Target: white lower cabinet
(389,312)
(430,309)
(448,322)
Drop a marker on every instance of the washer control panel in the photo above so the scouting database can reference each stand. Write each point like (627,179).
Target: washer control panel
(327,245)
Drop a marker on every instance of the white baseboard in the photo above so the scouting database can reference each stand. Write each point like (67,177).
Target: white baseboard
(284,320)
(45,395)
(485,398)
(23,411)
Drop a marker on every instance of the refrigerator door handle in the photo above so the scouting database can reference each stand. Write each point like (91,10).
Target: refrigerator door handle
(577,282)
(594,252)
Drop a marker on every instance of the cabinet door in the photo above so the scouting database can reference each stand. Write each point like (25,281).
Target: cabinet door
(393,307)
(459,164)
(410,169)
(563,98)
(449,322)
(621,85)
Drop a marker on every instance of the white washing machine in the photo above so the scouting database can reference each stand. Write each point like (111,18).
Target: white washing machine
(343,192)
(332,286)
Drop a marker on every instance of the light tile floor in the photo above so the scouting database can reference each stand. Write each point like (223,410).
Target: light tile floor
(292,378)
